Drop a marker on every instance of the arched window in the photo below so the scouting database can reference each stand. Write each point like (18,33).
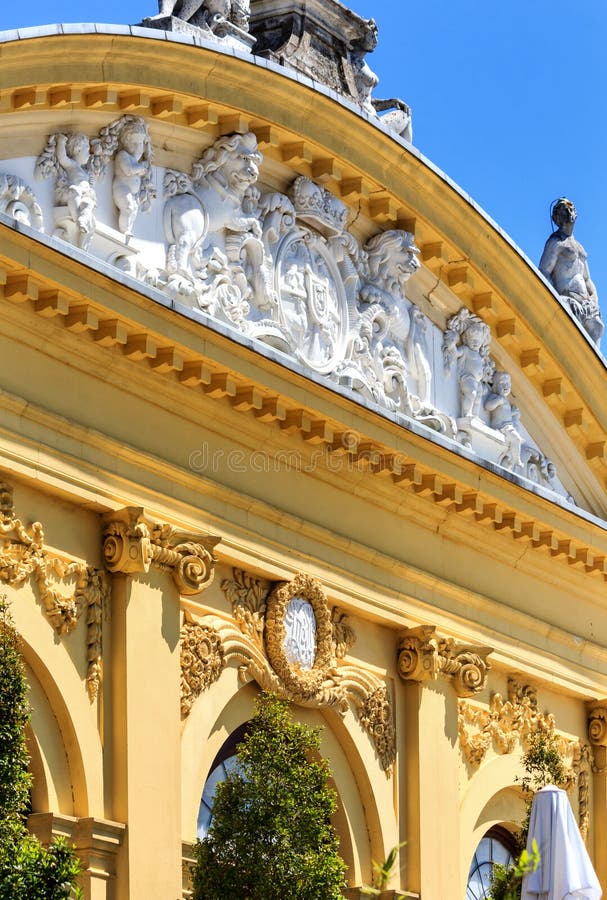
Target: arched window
(497,846)
(224,762)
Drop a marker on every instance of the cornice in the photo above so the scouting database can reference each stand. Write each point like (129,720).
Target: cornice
(378,176)
(424,465)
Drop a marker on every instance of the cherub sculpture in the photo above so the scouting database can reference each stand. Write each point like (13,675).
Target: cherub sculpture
(564,262)
(68,158)
(504,416)
(127,139)
(466,342)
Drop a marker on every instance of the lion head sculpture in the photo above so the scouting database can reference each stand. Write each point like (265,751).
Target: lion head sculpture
(232,161)
(392,260)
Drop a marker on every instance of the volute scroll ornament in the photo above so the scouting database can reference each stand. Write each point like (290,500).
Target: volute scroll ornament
(132,543)
(423,656)
(597,725)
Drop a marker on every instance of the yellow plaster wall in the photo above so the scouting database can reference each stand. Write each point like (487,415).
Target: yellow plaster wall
(86,429)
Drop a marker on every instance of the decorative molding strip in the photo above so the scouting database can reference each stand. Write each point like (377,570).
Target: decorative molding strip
(506,726)
(290,642)
(23,554)
(132,543)
(422,656)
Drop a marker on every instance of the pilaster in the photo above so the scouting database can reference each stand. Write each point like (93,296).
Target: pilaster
(152,565)
(597,733)
(97,842)
(430,770)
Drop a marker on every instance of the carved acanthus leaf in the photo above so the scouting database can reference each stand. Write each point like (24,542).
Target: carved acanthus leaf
(423,656)
(23,554)
(132,543)
(344,636)
(248,596)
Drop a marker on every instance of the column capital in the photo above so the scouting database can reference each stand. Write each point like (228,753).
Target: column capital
(132,542)
(423,656)
(597,723)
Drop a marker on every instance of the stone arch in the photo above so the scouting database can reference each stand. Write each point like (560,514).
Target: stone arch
(492,798)
(362,787)
(63,734)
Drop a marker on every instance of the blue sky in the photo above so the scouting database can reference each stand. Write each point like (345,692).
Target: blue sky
(508,99)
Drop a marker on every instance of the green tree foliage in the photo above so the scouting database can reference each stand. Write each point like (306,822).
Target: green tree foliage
(543,764)
(271,837)
(28,871)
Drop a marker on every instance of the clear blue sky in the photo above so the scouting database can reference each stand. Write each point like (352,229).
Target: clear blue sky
(508,99)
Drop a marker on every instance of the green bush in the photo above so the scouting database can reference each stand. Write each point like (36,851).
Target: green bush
(271,837)
(28,871)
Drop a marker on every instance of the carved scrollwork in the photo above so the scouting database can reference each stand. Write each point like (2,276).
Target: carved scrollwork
(202,660)
(299,678)
(263,643)
(597,726)
(423,656)
(23,554)
(506,726)
(19,201)
(132,543)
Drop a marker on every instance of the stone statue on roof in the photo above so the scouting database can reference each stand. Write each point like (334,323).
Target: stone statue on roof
(564,263)
(212,13)
(398,118)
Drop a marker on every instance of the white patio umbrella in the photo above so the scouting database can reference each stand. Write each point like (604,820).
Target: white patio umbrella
(565,871)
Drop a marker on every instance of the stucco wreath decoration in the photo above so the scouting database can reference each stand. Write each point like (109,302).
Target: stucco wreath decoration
(304,683)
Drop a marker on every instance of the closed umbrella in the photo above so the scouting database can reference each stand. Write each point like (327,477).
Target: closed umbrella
(565,871)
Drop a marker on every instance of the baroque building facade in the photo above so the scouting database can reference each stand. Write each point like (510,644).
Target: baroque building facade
(283,410)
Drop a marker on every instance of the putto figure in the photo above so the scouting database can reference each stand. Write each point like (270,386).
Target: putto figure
(564,262)
(504,416)
(466,342)
(68,158)
(132,185)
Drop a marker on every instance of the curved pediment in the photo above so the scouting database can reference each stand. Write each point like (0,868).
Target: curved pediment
(235,216)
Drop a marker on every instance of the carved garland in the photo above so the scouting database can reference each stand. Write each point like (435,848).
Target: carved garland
(22,554)
(255,642)
(202,660)
(507,725)
(306,683)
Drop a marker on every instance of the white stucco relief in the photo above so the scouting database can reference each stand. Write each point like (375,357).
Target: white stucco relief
(281,268)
